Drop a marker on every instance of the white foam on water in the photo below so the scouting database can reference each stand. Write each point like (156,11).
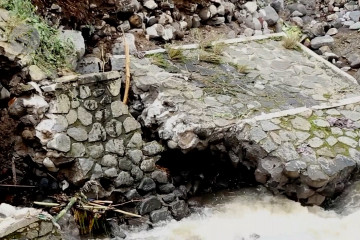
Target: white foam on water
(258,216)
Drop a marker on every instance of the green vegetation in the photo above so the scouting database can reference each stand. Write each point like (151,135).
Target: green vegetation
(176,54)
(243,69)
(159,60)
(209,57)
(52,53)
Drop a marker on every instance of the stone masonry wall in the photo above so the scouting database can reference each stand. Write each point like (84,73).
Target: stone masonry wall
(87,133)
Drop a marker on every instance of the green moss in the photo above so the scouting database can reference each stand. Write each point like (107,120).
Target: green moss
(327,95)
(52,53)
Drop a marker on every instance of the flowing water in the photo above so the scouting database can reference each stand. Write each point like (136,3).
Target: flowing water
(255,214)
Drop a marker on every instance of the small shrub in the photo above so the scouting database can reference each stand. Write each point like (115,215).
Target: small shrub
(52,53)
(159,60)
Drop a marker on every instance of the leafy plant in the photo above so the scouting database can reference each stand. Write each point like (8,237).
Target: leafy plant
(176,54)
(52,53)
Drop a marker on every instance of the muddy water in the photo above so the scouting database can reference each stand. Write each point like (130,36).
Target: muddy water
(255,214)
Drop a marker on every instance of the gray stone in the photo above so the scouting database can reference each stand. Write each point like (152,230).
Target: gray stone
(98,92)
(114,87)
(355,15)
(314,176)
(152,148)
(97,133)
(135,141)
(96,151)
(85,91)
(118,47)
(125,164)
(36,73)
(149,204)
(268,145)
(130,124)
(111,172)
(84,116)
(286,151)
(331,141)
(90,105)
(293,168)
(135,156)
(168,198)
(268,126)
(352,115)
(179,209)
(124,180)
(270,16)
(301,124)
(109,161)
(115,146)
(4,93)
(118,109)
(77,150)
(71,116)
(159,176)
(132,194)
(76,38)
(60,142)
(303,191)
(78,134)
(355,26)
(127,6)
(89,65)
(166,188)
(114,128)
(348,141)
(146,185)
(257,134)
(136,173)
(326,152)
(60,105)
(318,42)
(315,142)
(321,123)
(148,165)
(354,59)
(160,215)
(45,228)
(251,6)
(336,131)
(150,4)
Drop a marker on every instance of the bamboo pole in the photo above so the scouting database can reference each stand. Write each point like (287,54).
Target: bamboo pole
(67,208)
(127,72)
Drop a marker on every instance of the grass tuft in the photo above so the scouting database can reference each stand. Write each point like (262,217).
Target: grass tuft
(176,54)
(52,53)
(209,57)
(290,42)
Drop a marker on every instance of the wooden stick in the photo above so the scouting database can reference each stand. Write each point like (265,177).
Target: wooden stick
(47,204)
(127,72)
(115,210)
(13,168)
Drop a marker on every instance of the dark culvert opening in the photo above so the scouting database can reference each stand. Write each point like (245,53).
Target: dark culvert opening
(206,171)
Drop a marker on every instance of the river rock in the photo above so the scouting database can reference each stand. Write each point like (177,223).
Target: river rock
(148,205)
(150,4)
(270,15)
(127,6)
(355,26)
(84,116)
(130,124)
(115,146)
(76,38)
(179,209)
(160,215)
(146,185)
(114,128)
(36,73)
(321,41)
(251,6)
(354,60)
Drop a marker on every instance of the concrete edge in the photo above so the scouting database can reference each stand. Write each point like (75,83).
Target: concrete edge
(290,112)
(327,63)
